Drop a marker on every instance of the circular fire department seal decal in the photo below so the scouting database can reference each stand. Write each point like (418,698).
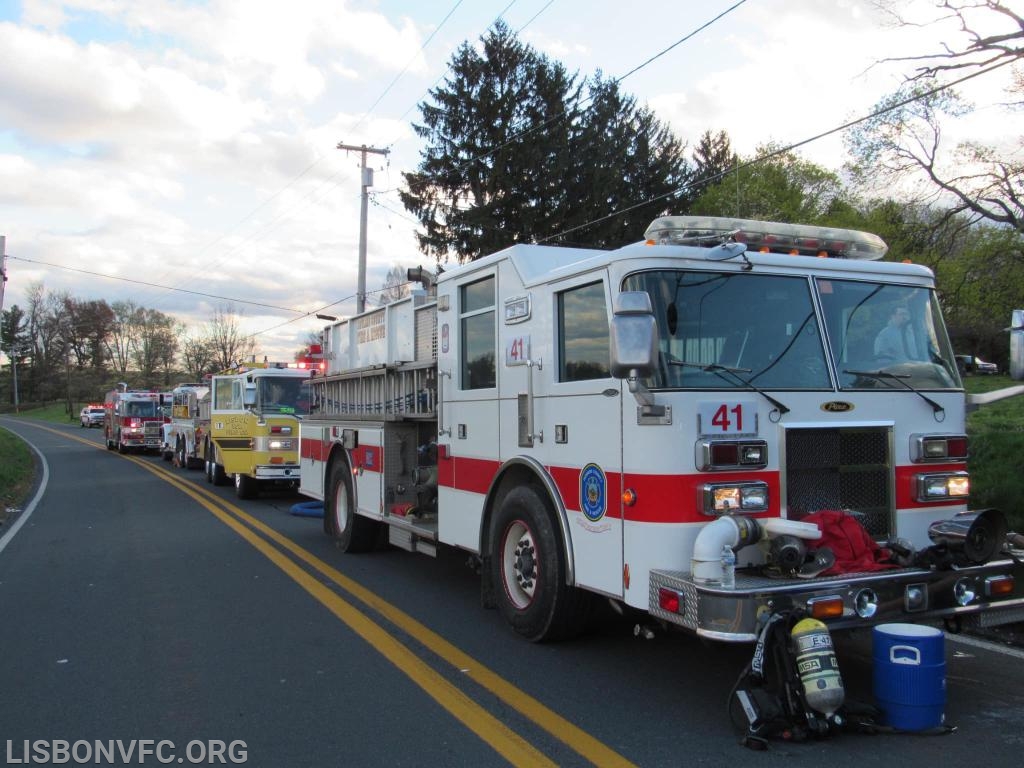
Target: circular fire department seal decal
(593,497)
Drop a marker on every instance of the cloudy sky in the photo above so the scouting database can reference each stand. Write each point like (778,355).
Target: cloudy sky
(154,145)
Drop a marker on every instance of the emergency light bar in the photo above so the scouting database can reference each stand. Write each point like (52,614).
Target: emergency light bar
(767,237)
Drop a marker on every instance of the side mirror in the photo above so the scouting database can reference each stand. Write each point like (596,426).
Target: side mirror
(249,395)
(634,336)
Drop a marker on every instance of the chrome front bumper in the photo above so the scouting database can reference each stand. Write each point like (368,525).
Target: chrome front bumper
(910,595)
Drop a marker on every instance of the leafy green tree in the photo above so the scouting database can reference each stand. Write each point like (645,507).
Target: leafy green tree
(512,156)
(774,185)
(904,144)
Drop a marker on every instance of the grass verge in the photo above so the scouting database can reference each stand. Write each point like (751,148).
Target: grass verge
(15,473)
(996,435)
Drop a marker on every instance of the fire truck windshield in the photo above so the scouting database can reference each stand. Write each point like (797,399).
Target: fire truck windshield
(761,327)
(283,394)
(895,330)
(140,408)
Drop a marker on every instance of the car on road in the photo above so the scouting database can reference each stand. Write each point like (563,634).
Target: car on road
(92,416)
(972,364)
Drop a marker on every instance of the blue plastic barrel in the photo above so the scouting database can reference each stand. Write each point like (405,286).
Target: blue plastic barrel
(909,675)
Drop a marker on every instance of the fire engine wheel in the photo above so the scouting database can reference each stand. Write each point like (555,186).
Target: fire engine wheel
(179,454)
(214,472)
(528,563)
(352,532)
(246,487)
(121,447)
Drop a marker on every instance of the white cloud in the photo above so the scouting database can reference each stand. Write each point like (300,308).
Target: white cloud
(193,143)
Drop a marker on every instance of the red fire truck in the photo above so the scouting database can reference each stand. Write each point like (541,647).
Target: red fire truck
(622,424)
(133,419)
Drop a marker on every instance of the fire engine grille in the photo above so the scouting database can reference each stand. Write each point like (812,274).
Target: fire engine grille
(841,468)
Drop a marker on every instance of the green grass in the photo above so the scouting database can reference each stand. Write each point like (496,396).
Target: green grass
(16,459)
(15,472)
(996,435)
(54,413)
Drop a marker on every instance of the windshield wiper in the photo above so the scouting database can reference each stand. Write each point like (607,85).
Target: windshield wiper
(899,378)
(718,369)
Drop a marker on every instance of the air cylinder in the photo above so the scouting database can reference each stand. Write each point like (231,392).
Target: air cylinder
(818,666)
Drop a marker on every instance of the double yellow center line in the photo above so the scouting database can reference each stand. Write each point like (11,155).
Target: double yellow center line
(506,742)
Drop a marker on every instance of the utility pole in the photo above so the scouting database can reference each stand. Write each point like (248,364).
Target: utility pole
(367,182)
(14,372)
(3,269)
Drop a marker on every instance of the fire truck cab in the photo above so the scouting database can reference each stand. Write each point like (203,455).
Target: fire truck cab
(132,420)
(252,436)
(603,423)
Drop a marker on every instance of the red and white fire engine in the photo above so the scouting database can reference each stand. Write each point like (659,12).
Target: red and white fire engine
(610,423)
(133,419)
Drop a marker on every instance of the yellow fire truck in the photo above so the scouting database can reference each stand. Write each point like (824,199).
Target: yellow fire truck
(253,435)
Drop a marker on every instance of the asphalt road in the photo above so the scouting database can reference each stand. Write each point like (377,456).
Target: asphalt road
(139,603)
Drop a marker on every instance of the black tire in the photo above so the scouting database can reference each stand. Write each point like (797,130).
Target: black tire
(108,441)
(208,464)
(351,531)
(179,453)
(121,447)
(246,487)
(528,571)
(214,472)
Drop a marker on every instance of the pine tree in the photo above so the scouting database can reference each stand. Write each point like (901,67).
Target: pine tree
(712,159)
(514,154)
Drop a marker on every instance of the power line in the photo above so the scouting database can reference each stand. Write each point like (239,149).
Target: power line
(152,285)
(782,151)
(789,148)
(406,67)
(496,18)
(561,115)
(327,306)
(532,18)
(312,165)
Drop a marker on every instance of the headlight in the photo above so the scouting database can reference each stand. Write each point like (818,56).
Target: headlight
(731,454)
(723,498)
(924,448)
(942,486)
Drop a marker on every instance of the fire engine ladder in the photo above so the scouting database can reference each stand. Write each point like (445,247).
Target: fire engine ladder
(388,393)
